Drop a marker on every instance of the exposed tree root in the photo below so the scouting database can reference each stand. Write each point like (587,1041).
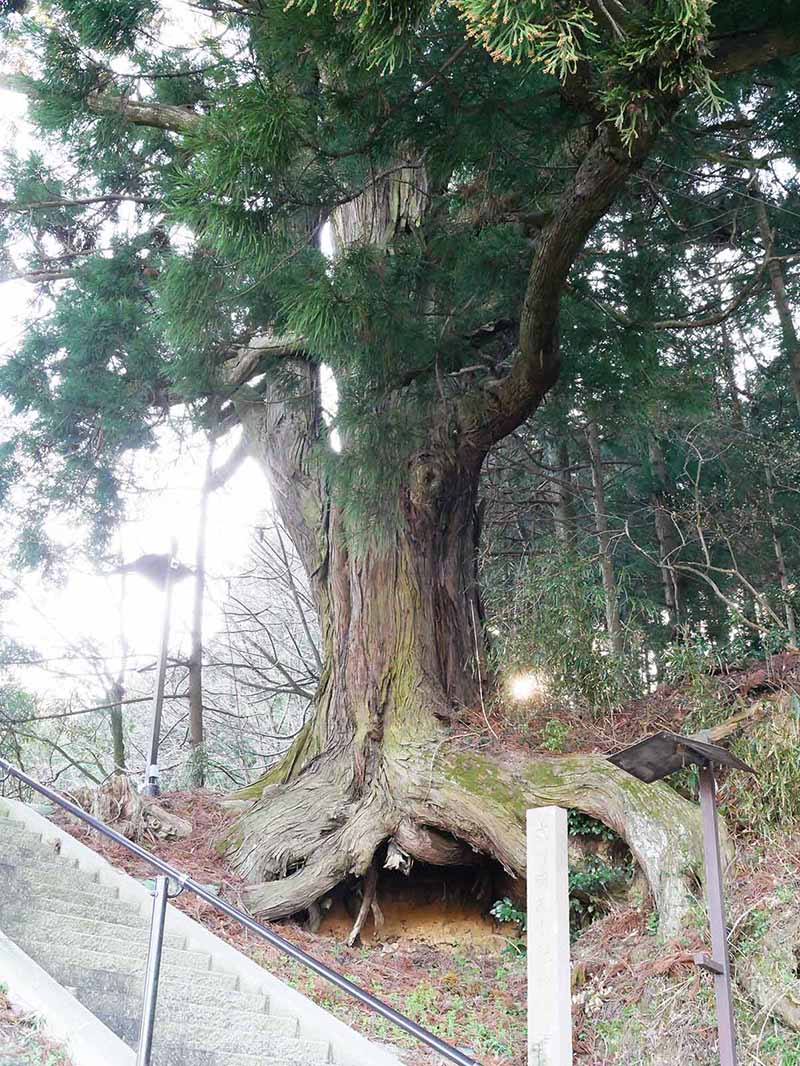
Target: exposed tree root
(483,797)
(750,716)
(302,839)
(451,807)
(368,902)
(136,816)
(768,970)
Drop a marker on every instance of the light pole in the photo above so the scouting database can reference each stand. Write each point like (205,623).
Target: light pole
(151,785)
(659,756)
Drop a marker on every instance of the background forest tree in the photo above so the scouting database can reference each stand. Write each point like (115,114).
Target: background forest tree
(455,213)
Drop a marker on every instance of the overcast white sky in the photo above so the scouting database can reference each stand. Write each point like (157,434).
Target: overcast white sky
(51,617)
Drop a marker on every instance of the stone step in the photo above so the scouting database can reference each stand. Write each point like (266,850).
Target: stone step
(178,1055)
(118,911)
(94,973)
(65,882)
(23,856)
(13,830)
(21,919)
(58,957)
(26,841)
(259,1041)
(123,950)
(224,1015)
(183,1022)
(243,1059)
(128,993)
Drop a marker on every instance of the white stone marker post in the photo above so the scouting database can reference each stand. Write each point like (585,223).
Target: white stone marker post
(549,987)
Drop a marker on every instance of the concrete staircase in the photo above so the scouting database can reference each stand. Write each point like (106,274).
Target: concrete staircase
(86,924)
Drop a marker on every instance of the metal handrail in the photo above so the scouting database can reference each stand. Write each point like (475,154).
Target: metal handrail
(185,882)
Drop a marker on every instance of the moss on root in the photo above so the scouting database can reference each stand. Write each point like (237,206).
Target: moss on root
(304,747)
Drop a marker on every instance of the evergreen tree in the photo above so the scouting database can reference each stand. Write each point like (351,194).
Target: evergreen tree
(500,185)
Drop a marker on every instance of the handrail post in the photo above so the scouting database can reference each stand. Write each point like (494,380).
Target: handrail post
(160,895)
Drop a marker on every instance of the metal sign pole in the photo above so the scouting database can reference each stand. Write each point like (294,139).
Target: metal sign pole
(719,965)
(653,759)
(151,777)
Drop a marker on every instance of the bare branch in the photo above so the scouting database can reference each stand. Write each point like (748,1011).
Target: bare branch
(701,321)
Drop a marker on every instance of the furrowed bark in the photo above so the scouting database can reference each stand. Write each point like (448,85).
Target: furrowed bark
(393,203)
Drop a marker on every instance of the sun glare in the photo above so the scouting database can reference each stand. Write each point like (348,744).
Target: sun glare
(526,686)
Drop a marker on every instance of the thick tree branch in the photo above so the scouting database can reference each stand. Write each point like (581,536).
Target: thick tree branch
(170,117)
(37,276)
(597,183)
(730,55)
(283,429)
(245,363)
(226,470)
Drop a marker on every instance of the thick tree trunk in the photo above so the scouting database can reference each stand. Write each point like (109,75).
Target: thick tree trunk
(778,284)
(382,772)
